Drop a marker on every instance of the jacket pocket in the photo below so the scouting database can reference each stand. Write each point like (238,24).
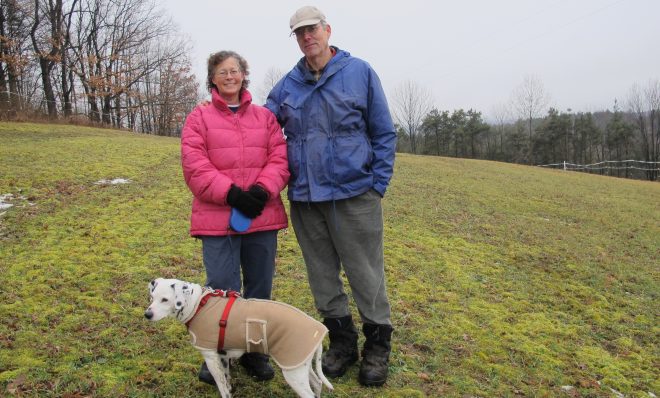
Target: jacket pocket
(353,156)
(291,115)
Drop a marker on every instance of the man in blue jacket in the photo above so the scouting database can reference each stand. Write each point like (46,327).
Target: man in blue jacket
(341,144)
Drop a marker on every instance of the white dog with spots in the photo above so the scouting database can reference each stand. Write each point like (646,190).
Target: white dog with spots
(223,326)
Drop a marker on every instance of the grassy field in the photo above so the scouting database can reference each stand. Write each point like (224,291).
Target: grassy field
(505,280)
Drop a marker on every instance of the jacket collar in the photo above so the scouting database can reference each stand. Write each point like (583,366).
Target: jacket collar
(220,103)
(302,72)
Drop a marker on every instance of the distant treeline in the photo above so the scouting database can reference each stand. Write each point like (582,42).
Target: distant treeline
(119,63)
(579,138)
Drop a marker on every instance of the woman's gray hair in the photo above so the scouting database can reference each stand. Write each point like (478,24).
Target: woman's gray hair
(220,57)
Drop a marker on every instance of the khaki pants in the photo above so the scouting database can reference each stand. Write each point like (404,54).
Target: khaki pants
(344,234)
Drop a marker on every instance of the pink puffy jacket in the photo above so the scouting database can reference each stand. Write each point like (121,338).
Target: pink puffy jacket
(220,148)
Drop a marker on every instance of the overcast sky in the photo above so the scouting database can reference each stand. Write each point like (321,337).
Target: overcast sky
(469,54)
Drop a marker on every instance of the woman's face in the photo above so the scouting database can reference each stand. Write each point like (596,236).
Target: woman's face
(228,78)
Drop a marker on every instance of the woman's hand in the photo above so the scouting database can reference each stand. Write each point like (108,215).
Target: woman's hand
(248,204)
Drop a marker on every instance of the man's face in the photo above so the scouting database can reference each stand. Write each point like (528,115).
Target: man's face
(313,39)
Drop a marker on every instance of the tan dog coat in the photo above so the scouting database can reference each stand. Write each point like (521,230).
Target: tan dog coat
(284,332)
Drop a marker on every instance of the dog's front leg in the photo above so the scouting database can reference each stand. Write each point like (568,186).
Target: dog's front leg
(214,363)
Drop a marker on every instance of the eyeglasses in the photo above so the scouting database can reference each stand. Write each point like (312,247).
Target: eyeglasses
(311,29)
(224,73)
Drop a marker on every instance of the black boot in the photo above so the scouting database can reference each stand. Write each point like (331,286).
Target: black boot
(205,375)
(375,354)
(343,351)
(257,366)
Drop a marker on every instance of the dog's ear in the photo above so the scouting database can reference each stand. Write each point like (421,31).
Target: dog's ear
(179,295)
(153,284)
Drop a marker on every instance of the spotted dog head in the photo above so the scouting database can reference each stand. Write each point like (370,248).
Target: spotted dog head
(168,297)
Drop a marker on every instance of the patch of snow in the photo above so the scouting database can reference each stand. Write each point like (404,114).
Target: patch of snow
(616,393)
(113,181)
(4,198)
(567,388)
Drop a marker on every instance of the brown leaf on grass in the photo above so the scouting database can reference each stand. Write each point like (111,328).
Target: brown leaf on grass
(609,280)
(13,387)
(67,188)
(423,348)
(460,350)
(6,341)
(75,395)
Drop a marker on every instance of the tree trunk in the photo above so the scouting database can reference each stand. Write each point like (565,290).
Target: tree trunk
(49,94)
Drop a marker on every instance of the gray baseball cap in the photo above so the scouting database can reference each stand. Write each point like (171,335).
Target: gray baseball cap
(307,15)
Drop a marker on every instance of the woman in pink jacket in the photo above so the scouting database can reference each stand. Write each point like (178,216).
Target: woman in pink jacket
(234,156)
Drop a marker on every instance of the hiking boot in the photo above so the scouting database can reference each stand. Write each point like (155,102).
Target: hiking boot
(257,366)
(375,355)
(343,351)
(205,375)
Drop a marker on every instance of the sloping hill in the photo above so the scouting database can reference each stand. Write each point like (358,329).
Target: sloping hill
(505,280)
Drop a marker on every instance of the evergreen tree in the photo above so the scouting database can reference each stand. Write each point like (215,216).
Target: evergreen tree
(620,137)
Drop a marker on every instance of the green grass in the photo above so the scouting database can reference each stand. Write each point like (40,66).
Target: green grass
(505,280)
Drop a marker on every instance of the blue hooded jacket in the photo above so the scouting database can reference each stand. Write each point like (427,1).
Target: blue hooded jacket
(340,136)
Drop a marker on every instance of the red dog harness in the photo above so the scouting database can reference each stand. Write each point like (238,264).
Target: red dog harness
(225,314)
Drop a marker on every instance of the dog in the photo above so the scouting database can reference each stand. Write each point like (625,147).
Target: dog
(224,326)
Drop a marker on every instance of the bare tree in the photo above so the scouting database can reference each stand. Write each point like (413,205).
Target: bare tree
(644,103)
(119,54)
(123,50)
(503,115)
(47,42)
(167,94)
(84,38)
(530,99)
(412,103)
(652,93)
(273,75)
(14,54)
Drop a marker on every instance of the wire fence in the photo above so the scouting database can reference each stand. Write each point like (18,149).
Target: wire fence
(608,165)
(640,169)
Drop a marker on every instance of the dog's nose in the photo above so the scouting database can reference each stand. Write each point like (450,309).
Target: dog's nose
(148,314)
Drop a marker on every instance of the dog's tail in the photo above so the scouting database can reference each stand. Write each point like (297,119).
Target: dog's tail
(319,371)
